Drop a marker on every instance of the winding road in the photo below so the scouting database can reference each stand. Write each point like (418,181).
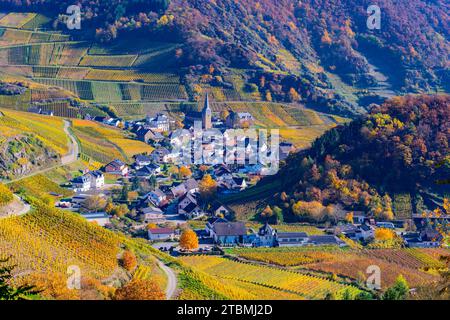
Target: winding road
(172,280)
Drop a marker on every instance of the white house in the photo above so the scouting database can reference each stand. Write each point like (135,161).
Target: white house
(188,206)
(157,197)
(97,179)
(152,214)
(81,183)
(161,234)
(88,181)
(160,123)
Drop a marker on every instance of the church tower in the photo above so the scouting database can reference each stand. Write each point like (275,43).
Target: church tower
(206,114)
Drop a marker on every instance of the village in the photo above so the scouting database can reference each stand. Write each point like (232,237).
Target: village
(167,196)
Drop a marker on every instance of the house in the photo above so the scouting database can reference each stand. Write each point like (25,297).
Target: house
(160,123)
(161,234)
(160,155)
(78,200)
(152,214)
(387,225)
(291,239)
(148,171)
(321,240)
(34,110)
(47,113)
(157,197)
(285,149)
(239,119)
(88,181)
(210,225)
(363,232)
(427,238)
(141,161)
(266,236)
(188,186)
(188,206)
(229,233)
(101,218)
(117,167)
(97,179)
(146,135)
(219,209)
(81,183)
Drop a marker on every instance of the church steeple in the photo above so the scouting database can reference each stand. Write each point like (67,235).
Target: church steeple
(206,114)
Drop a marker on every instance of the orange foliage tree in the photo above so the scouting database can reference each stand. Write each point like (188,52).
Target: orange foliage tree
(207,187)
(128,260)
(185,172)
(189,240)
(139,289)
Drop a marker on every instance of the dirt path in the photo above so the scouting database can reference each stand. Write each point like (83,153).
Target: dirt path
(17,207)
(70,157)
(172,280)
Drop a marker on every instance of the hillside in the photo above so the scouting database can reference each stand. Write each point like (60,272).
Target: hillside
(404,141)
(281,47)
(29,142)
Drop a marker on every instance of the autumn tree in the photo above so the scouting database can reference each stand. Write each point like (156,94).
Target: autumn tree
(293,95)
(349,217)
(128,260)
(140,289)
(267,212)
(185,172)
(189,240)
(326,39)
(383,234)
(207,187)
(224,114)
(95,203)
(53,285)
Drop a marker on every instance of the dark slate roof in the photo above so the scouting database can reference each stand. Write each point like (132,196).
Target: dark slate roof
(292,235)
(191,184)
(230,228)
(190,207)
(324,239)
(143,158)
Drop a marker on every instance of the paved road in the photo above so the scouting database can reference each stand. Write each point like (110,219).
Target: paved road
(66,159)
(172,280)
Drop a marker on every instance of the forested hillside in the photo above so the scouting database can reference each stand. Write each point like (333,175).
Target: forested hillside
(400,147)
(291,51)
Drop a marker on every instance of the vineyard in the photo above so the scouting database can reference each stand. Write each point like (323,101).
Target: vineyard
(308,287)
(412,263)
(104,144)
(48,129)
(52,240)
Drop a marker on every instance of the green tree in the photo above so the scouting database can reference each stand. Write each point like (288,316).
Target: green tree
(9,292)
(398,291)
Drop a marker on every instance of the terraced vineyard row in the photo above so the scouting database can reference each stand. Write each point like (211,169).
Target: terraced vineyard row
(57,53)
(51,241)
(17,36)
(103,91)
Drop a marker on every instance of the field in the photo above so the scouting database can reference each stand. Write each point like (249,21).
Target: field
(104,144)
(418,266)
(47,129)
(308,287)
(40,186)
(51,240)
